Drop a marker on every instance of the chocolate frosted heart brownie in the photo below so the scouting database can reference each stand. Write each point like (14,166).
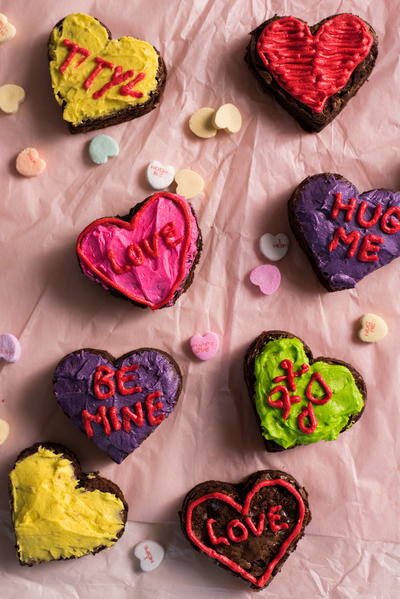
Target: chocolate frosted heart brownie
(147,256)
(58,512)
(345,234)
(299,399)
(119,402)
(99,81)
(250,528)
(313,71)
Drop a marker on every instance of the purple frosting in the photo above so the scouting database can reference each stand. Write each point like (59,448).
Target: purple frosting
(312,205)
(74,391)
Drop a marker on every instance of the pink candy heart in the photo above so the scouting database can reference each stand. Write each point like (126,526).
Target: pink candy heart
(267,277)
(29,163)
(205,346)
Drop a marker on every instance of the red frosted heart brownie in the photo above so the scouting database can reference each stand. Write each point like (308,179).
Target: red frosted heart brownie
(250,528)
(147,256)
(99,81)
(313,71)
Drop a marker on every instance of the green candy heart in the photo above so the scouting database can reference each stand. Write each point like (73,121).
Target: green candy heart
(332,417)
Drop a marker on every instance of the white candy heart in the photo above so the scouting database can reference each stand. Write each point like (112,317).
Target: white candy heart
(10,348)
(150,554)
(227,117)
(11,97)
(7,30)
(188,183)
(274,247)
(373,328)
(159,176)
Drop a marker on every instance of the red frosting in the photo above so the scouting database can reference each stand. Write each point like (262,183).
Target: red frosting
(311,68)
(244,511)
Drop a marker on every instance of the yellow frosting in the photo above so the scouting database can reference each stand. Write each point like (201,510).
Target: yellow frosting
(53,517)
(127,52)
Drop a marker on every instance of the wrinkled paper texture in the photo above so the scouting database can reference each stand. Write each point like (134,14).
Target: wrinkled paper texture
(351,548)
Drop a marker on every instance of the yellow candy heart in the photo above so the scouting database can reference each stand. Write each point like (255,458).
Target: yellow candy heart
(189,183)
(227,117)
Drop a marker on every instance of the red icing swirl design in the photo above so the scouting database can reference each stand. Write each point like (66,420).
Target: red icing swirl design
(274,519)
(311,68)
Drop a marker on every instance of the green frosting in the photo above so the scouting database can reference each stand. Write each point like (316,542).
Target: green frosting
(127,52)
(332,417)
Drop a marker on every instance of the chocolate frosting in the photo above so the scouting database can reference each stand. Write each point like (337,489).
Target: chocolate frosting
(73,388)
(312,204)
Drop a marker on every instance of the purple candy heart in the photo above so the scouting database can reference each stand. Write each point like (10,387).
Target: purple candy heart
(119,402)
(345,234)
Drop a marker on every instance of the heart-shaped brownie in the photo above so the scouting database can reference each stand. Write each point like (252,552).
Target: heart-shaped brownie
(149,255)
(298,399)
(313,71)
(345,234)
(99,81)
(119,402)
(250,528)
(58,512)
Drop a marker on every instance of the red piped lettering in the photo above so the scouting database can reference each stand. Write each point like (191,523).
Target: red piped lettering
(327,390)
(369,248)
(126,90)
(213,537)
(101,64)
(237,538)
(136,417)
(100,416)
(274,519)
(352,239)
(307,412)
(135,254)
(390,222)
(115,423)
(117,77)
(122,378)
(368,223)
(257,531)
(103,376)
(168,233)
(74,49)
(284,402)
(153,407)
(340,205)
(119,270)
(288,365)
(151,250)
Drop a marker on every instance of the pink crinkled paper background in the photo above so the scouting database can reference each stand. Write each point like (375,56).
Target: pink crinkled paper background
(351,548)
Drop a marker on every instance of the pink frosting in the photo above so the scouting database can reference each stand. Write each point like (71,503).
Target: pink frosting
(156,280)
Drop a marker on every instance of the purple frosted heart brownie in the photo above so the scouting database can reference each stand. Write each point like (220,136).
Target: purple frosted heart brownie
(119,402)
(345,234)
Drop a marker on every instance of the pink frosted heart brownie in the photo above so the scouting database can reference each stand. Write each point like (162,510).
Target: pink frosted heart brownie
(147,256)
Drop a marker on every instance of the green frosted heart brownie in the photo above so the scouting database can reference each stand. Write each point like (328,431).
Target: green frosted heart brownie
(99,81)
(298,399)
(58,512)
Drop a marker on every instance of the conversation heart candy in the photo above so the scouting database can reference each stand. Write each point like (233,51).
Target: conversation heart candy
(159,176)
(267,277)
(29,163)
(373,328)
(4,430)
(205,346)
(200,123)
(227,117)
(188,183)
(11,97)
(101,148)
(7,30)
(150,554)
(10,348)
(274,247)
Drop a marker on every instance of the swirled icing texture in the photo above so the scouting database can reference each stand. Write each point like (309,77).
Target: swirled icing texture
(127,52)
(309,67)
(73,388)
(332,417)
(312,211)
(53,517)
(152,281)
